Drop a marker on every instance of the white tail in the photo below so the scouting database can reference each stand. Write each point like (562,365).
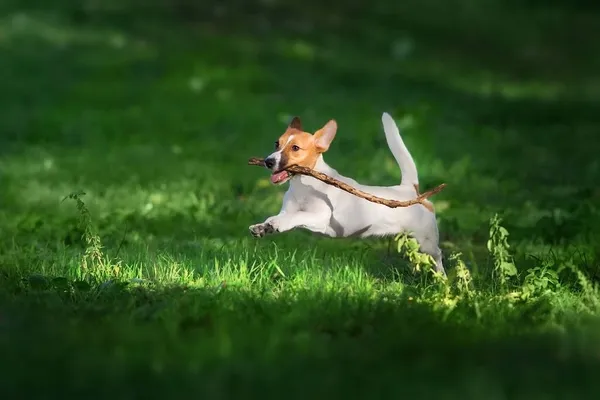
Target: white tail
(400,152)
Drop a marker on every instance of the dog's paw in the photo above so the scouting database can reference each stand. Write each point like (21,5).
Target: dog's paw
(260,230)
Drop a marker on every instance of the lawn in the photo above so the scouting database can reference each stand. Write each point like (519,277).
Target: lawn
(126,265)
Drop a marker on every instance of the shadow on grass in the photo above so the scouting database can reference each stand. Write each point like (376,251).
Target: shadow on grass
(229,342)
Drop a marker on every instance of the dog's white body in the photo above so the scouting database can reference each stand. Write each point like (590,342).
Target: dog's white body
(325,209)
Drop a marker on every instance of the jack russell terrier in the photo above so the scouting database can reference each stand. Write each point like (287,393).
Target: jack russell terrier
(325,209)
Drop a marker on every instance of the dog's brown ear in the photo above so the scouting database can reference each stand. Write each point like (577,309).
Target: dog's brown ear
(295,123)
(325,135)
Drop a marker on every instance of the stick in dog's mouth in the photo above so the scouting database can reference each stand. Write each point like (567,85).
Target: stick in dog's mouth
(295,169)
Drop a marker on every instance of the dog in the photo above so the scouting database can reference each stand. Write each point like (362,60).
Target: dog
(324,209)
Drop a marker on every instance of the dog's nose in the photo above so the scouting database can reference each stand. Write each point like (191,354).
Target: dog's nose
(269,162)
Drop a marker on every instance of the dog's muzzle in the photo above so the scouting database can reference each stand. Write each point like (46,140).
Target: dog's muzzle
(270,162)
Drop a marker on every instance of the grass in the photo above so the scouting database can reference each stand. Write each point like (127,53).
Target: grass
(149,284)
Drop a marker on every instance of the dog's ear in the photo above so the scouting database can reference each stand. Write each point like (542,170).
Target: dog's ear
(325,135)
(295,123)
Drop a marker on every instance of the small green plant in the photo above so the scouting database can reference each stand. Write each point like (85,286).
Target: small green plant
(440,293)
(464,280)
(410,247)
(459,288)
(93,261)
(498,247)
(590,291)
(539,281)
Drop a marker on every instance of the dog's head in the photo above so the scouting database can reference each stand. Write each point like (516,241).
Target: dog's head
(296,147)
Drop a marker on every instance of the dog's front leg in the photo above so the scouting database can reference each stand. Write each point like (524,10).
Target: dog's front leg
(315,222)
(265,228)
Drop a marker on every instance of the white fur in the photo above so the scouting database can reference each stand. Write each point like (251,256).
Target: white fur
(276,156)
(399,151)
(325,209)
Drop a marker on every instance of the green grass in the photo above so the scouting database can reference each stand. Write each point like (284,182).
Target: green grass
(150,284)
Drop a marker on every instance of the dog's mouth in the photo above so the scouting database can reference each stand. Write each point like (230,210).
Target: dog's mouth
(278,178)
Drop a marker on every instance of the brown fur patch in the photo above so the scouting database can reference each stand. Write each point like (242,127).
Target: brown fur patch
(296,123)
(427,204)
(298,148)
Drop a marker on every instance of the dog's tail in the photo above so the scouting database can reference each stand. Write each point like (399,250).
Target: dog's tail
(400,152)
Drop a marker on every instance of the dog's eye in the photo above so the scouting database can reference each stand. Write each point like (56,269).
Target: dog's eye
(295,148)
(276,145)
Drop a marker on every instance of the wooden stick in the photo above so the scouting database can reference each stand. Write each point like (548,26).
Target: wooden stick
(296,169)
